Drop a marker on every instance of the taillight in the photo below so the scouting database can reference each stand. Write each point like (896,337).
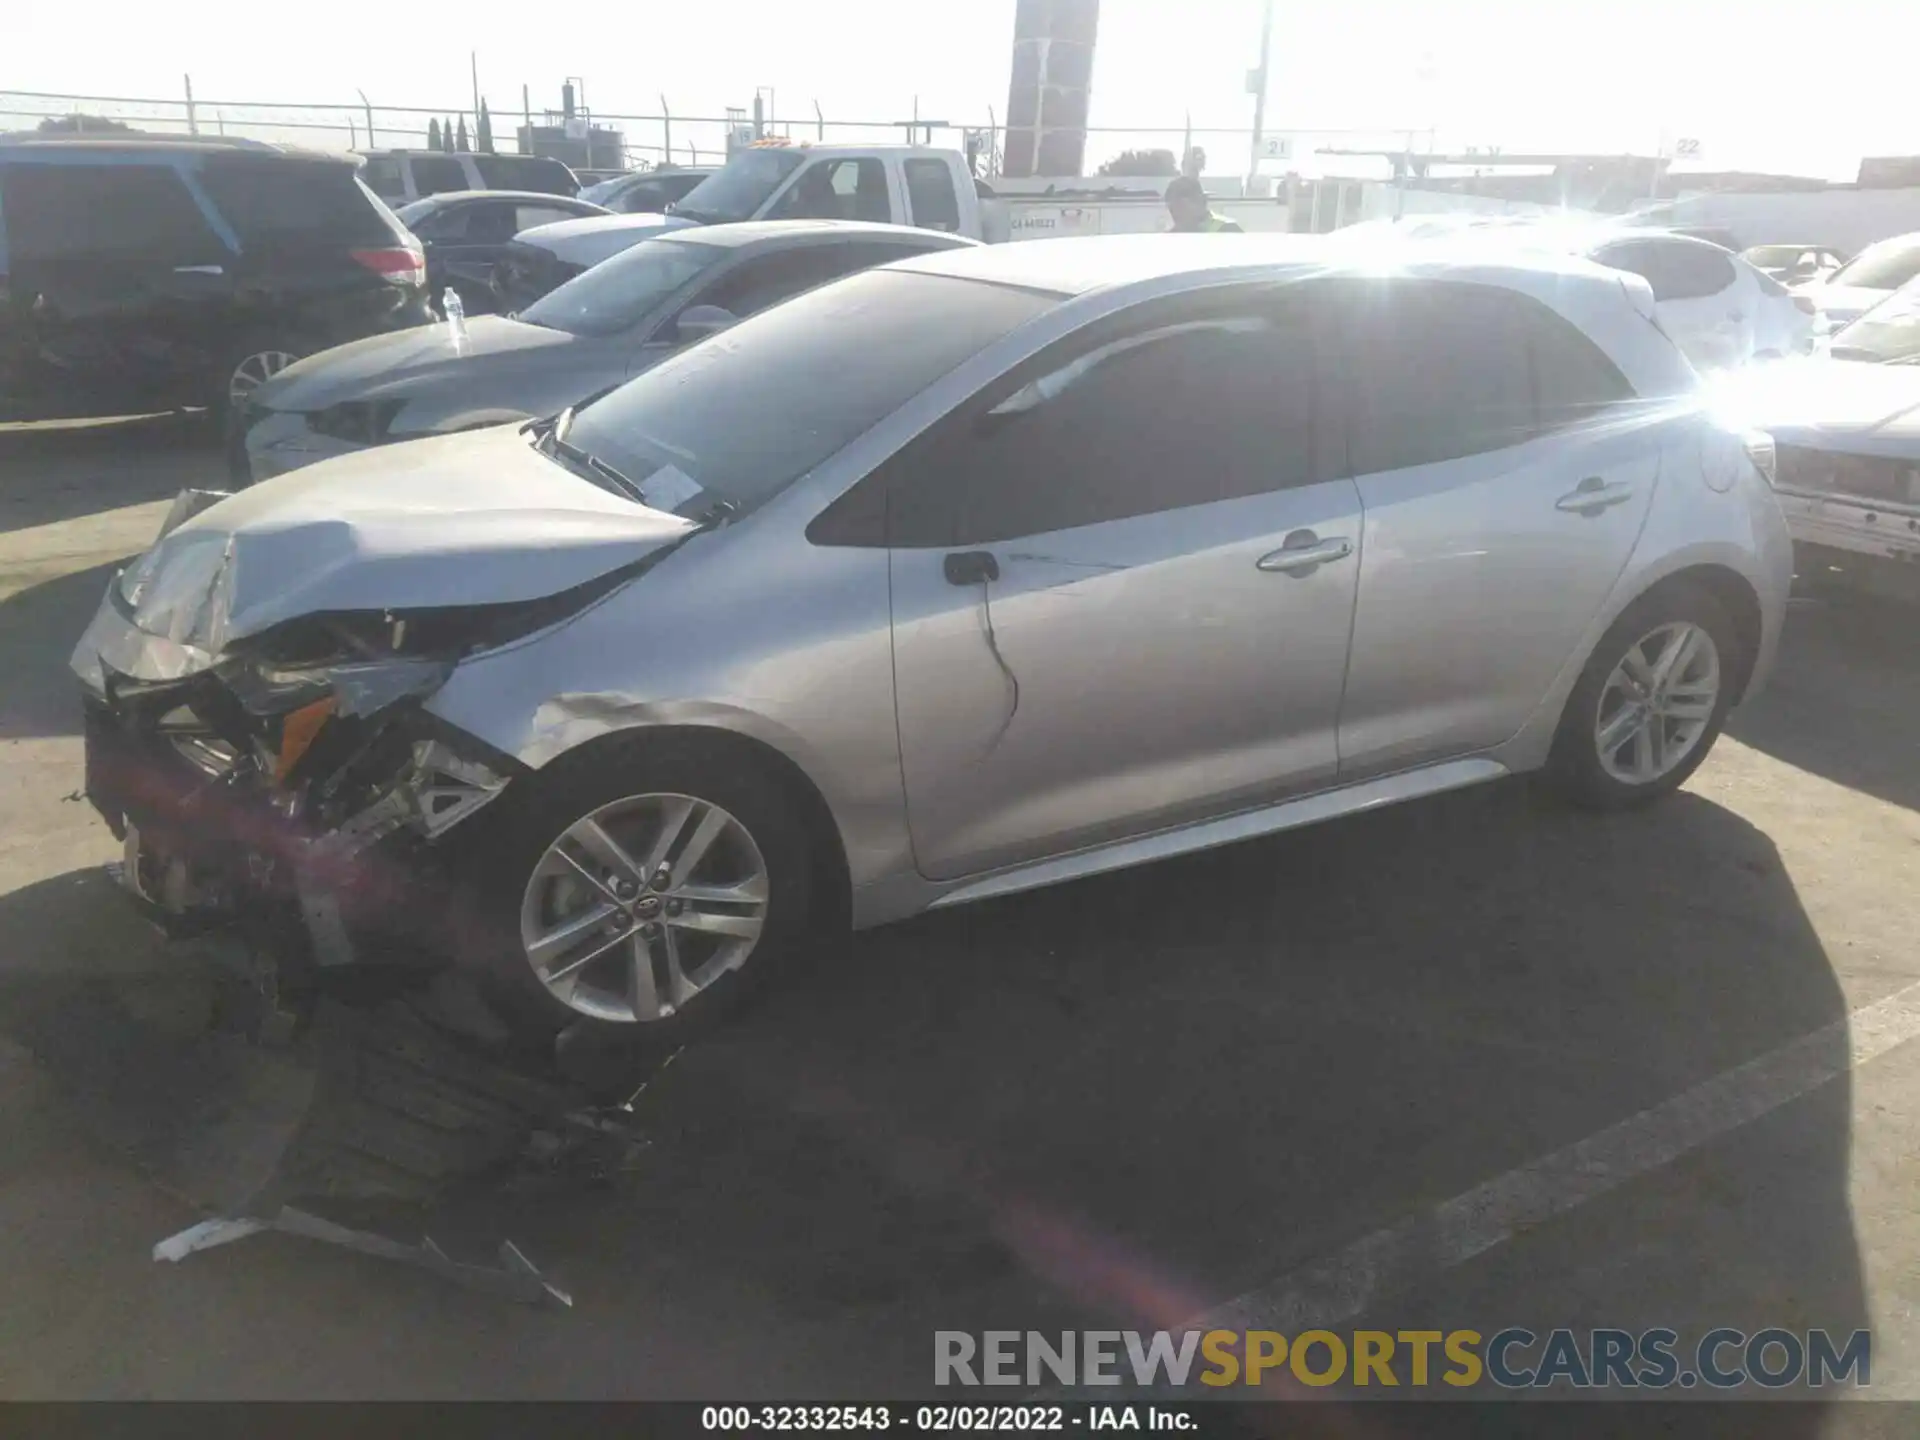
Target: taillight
(396,264)
(1804,305)
(1761,451)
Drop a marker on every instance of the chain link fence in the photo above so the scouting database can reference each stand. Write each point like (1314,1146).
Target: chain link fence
(665,136)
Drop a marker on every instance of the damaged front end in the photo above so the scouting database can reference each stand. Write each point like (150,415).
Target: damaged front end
(289,783)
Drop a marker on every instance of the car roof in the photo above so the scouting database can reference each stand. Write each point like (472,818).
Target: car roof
(459,197)
(758,232)
(42,146)
(1081,264)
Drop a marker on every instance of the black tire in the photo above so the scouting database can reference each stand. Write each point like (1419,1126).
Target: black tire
(1576,768)
(526,823)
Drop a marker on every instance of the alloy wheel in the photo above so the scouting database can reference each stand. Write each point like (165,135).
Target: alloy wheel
(1657,703)
(639,906)
(254,371)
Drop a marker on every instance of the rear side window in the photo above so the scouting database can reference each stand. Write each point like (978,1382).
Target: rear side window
(930,194)
(66,211)
(270,202)
(1437,372)
(1442,371)
(383,176)
(523,172)
(437,174)
(1675,270)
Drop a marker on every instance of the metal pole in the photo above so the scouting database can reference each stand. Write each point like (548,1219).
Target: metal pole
(1186,145)
(368,104)
(820,123)
(1260,95)
(193,123)
(473,61)
(666,121)
(526,121)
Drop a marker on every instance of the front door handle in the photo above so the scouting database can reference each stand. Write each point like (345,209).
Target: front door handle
(199,269)
(1592,495)
(1303,553)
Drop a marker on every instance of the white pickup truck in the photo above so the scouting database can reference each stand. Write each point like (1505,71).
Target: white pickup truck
(890,184)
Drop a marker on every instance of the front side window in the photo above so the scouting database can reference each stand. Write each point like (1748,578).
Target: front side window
(743,417)
(1189,412)
(1886,266)
(837,190)
(57,212)
(385,177)
(437,174)
(1888,334)
(525,217)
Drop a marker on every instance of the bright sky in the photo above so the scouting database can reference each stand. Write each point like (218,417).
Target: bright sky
(1801,88)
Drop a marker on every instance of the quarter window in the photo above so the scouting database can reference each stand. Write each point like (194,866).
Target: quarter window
(1676,270)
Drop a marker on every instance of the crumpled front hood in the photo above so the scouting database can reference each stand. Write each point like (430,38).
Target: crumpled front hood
(403,361)
(473,519)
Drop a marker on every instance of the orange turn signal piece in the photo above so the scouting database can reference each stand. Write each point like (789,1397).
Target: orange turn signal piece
(297,734)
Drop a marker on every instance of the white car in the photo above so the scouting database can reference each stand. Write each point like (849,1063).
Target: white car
(1718,308)
(1864,281)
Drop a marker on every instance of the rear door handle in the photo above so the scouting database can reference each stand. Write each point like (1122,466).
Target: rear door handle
(199,269)
(1593,495)
(1303,553)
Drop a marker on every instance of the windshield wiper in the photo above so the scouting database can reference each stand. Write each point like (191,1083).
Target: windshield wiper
(553,435)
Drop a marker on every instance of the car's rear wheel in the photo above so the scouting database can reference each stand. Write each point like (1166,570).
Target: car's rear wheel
(641,889)
(1651,701)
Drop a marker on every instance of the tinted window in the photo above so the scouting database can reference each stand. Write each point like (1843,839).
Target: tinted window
(766,280)
(746,414)
(385,177)
(1677,270)
(62,211)
(1437,372)
(276,201)
(1185,414)
(1573,381)
(437,174)
(523,172)
(930,193)
(837,190)
(619,293)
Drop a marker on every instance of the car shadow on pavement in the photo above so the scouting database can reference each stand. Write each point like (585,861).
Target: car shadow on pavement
(55,472)
(1126,1101)
(1114,1104)
(1844,697)
(38,629)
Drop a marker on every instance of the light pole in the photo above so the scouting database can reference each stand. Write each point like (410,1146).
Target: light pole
(1257,82)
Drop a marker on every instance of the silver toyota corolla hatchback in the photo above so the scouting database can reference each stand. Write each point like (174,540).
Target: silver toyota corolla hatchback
(959,577)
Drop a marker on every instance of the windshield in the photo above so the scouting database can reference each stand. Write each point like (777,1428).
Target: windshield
(743,415)
(619,293)
(741,187)
(1888,334)
(1886,266)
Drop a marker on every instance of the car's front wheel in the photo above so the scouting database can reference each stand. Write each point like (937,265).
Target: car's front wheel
(1651,701)
(641,889)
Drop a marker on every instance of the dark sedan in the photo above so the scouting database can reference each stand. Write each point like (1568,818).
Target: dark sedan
(593,333)
(465,232)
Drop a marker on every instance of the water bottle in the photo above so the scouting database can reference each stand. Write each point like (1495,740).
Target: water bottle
(456,312)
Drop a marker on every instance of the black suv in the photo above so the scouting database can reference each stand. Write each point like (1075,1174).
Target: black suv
(152,274)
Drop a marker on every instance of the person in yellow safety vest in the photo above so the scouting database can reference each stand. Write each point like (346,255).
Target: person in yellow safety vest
(1187,203)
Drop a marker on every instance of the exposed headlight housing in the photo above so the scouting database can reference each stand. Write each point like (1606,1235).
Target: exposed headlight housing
(1760,449)
(359,422)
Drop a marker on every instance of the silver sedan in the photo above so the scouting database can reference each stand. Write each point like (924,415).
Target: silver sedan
(971,574)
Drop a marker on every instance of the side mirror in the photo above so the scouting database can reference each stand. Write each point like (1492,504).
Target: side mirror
(697,322)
